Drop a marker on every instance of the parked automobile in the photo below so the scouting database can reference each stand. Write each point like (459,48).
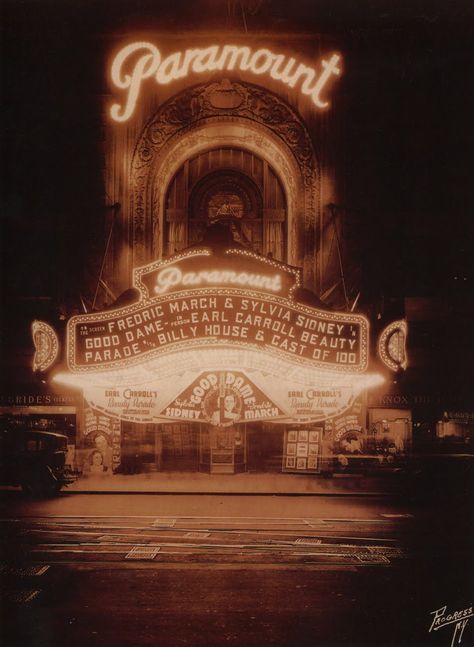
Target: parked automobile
(34,460)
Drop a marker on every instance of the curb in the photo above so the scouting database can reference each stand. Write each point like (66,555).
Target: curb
(227,493)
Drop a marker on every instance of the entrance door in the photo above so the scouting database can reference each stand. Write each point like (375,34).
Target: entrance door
(223,450)
(180,448)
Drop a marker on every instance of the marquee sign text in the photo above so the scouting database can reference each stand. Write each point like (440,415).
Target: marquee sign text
(221,338)
(217,308)
(217,317)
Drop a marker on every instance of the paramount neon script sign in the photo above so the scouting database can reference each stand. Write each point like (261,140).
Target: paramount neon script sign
(140,61)
(220,338)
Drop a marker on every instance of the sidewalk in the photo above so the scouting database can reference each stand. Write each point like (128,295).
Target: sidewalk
(245,483)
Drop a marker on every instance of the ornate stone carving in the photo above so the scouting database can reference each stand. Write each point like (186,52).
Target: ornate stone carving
(225,101)
(225,95)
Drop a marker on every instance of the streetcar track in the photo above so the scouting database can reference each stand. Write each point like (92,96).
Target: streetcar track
(154,536)
(240,540)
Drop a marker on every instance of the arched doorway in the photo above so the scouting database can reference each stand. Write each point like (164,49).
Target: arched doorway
(227,181)
(195,121)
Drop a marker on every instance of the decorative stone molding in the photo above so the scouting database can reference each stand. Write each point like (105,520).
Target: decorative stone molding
(214,134)
(268,126)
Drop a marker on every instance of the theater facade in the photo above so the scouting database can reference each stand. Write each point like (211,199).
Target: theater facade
(225,336)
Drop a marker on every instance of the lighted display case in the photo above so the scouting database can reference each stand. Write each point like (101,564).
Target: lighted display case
(302,450)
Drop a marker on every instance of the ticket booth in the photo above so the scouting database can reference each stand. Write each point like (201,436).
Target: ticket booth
(223,450)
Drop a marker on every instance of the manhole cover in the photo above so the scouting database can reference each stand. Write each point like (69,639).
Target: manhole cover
(308,541)
(163,523)
(143,552)
(314,522)
(386,550)
(372,558)
(26,571)
(23,597)
(34,571)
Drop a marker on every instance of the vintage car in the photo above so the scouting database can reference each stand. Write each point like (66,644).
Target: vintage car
(34,460)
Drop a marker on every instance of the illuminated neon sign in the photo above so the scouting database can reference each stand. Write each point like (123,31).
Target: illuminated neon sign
(170,277)
(46,344)
(392,345)
(140,61)
(218,312)
(265,276)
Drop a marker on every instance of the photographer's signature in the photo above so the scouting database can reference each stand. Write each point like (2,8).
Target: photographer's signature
(457,620)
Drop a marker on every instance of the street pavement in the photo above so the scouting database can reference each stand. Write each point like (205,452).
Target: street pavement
(246,571)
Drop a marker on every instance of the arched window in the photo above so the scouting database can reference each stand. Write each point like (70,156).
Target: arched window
(226,182)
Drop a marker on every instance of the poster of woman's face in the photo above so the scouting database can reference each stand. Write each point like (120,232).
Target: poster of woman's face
(99,457)
(101,442)
(93,464)
(96,458)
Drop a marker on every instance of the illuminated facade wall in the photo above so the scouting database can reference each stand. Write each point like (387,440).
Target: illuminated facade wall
(271,140)
(179,152)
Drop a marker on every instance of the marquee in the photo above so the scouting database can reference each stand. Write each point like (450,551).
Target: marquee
(202,300)
(218,338)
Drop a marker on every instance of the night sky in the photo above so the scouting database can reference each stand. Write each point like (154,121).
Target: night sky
(407,85)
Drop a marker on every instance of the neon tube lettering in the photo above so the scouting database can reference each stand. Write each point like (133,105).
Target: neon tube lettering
(172,276)
(144,68)
(141,60)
